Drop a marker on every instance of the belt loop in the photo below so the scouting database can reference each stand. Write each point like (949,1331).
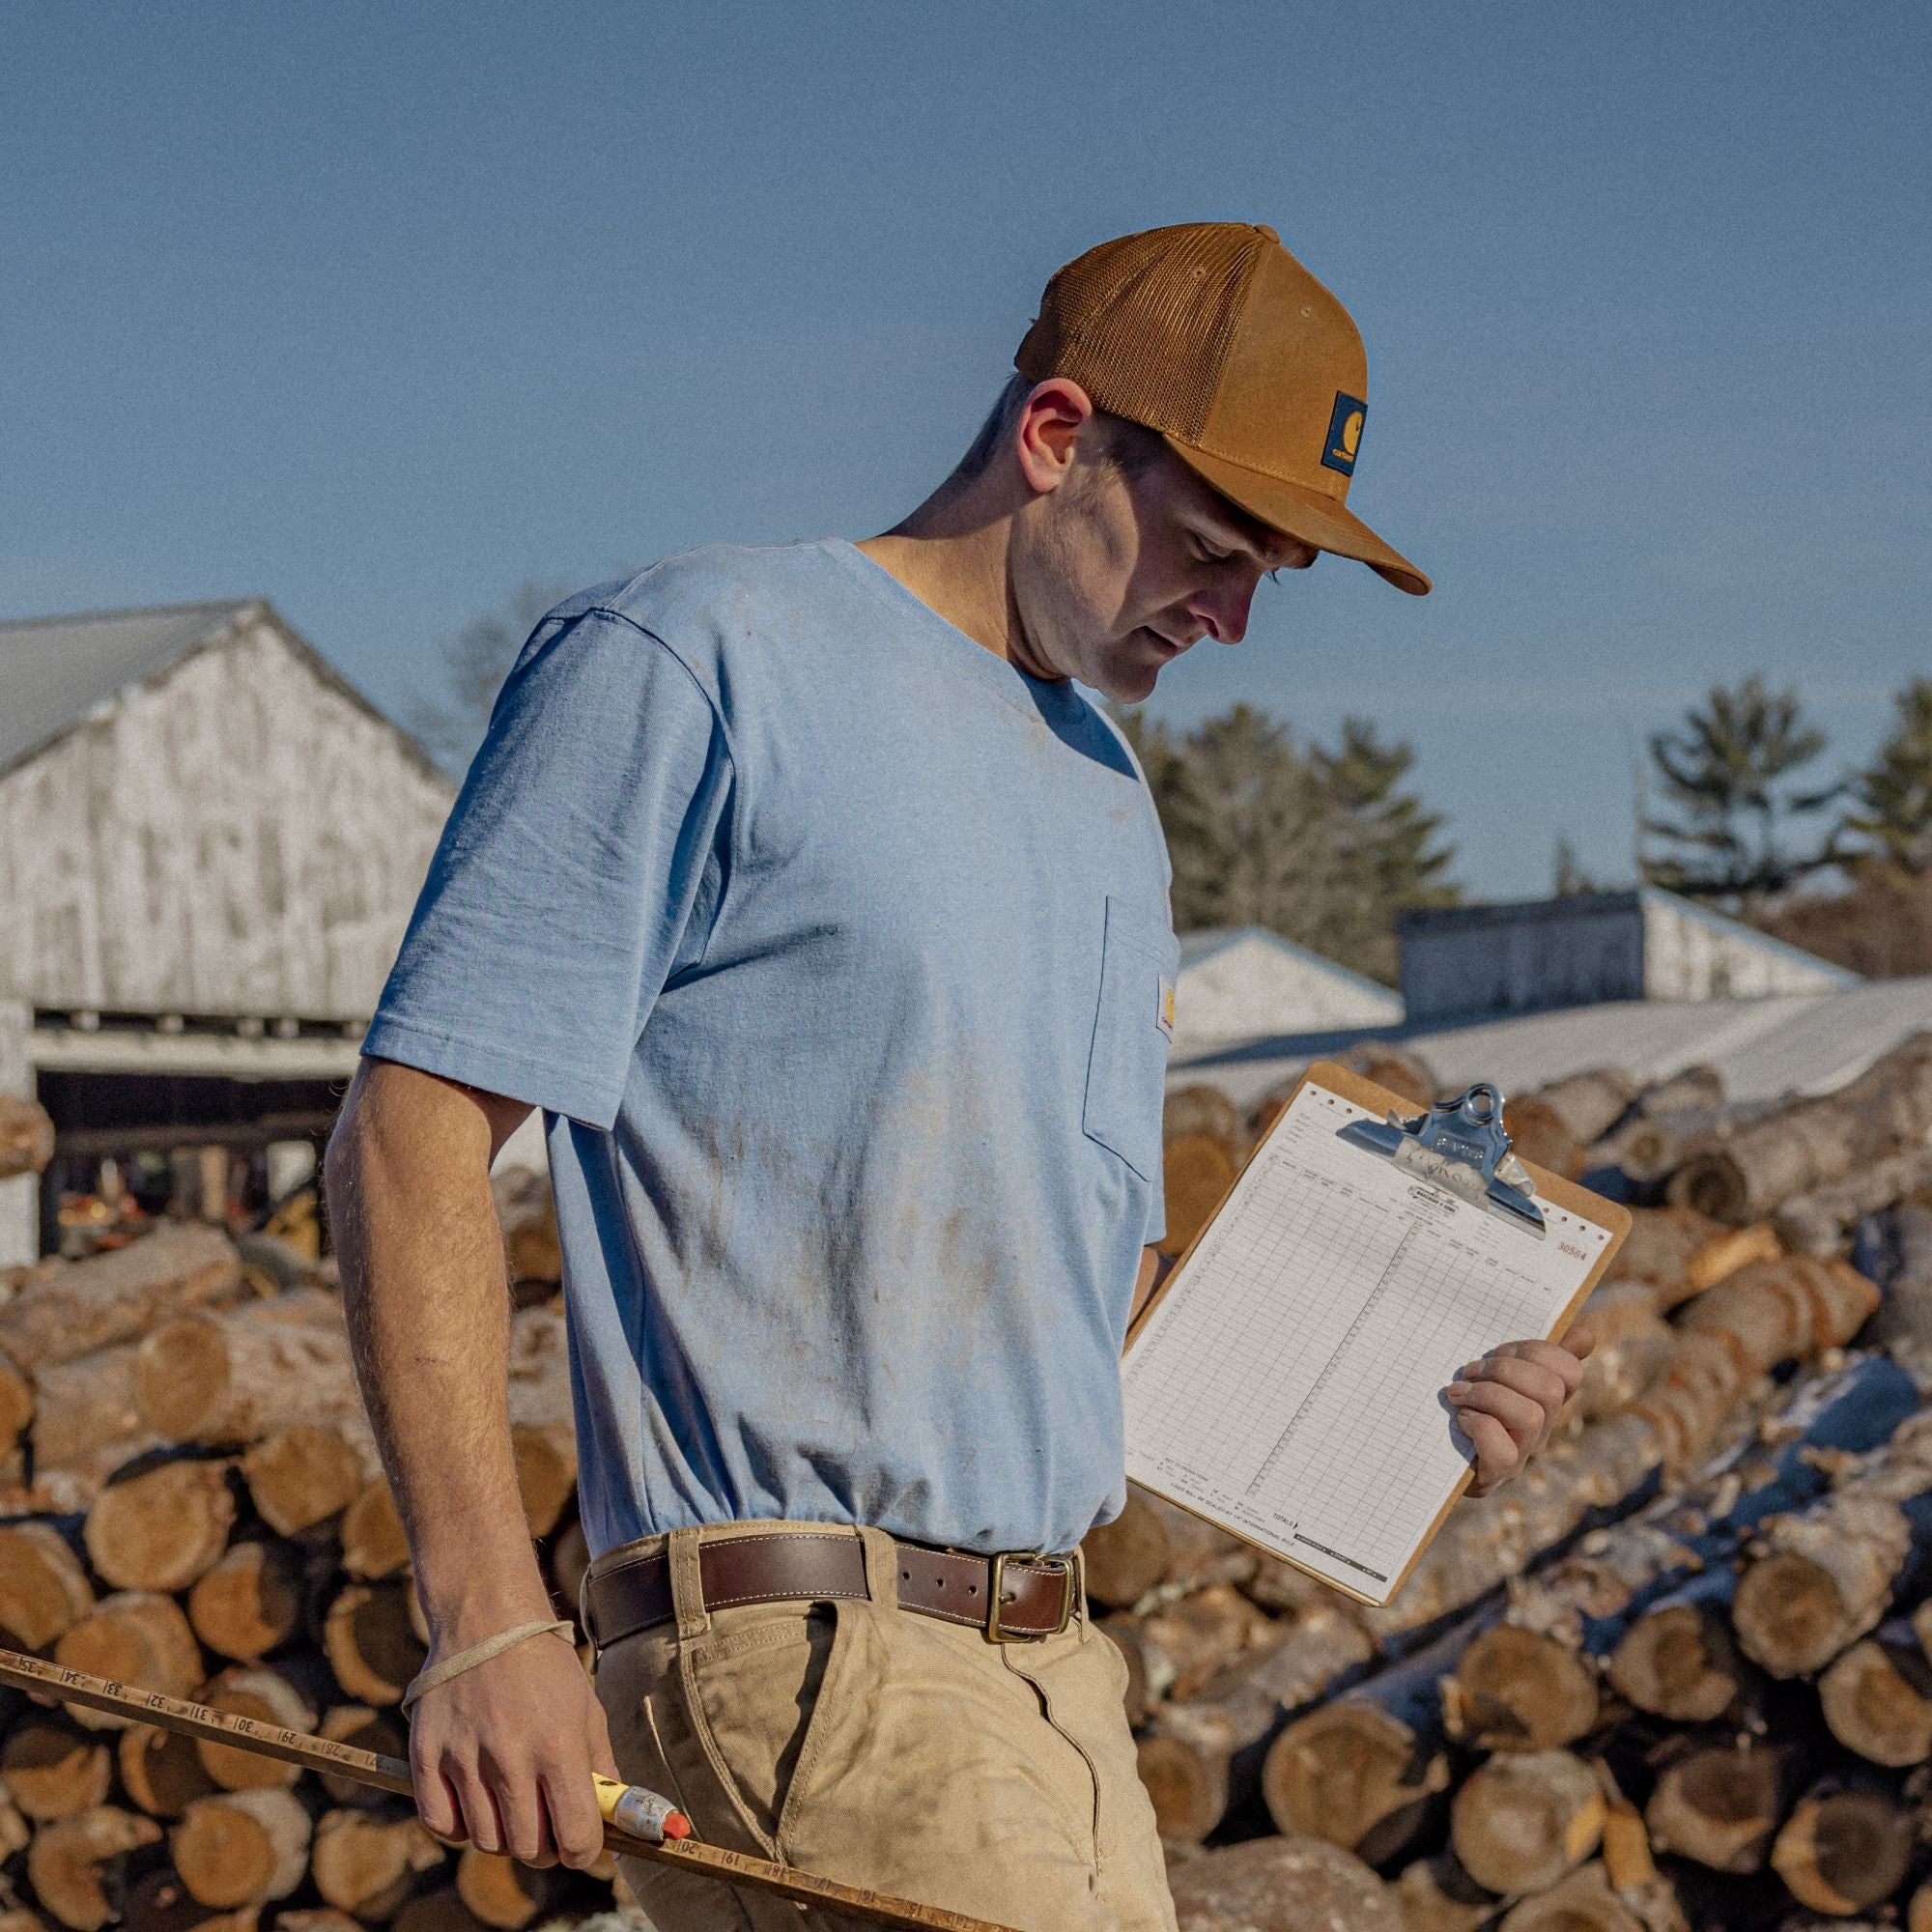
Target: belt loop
(585,1622)
(687,1585)
(1082,1609)
(882,1567)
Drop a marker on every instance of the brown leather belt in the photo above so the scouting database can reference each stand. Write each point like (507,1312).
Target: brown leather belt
(1010,1597)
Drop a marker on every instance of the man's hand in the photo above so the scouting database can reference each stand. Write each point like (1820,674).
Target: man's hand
(1506,1404)
(503,1755)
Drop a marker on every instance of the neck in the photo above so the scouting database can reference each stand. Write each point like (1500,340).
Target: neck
(955,554)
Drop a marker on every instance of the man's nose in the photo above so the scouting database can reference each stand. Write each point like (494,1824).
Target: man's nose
(1222,609)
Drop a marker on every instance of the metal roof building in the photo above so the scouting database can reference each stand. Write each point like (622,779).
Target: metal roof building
(1764,1048)
(1237,981)
(1459,963)
(210,844)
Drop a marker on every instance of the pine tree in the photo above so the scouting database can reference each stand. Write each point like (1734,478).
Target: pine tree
(1723,773)
(1892,798)
(1322,847)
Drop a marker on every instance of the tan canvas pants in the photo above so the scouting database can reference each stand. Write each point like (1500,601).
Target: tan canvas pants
(887,1748)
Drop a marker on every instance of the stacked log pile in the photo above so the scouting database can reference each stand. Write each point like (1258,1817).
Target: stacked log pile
(193,1504)
(1680,1672)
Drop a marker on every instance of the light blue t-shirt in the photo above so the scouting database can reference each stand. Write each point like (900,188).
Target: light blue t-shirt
(837,953)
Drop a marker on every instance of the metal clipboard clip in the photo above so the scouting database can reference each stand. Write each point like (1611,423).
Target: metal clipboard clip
(1460,1146)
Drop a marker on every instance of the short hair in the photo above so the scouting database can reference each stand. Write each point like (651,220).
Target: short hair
(1131,447)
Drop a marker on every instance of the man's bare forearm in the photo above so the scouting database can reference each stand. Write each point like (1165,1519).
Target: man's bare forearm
(422,1277)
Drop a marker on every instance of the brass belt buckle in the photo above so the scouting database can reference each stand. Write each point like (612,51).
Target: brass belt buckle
(1062,1566)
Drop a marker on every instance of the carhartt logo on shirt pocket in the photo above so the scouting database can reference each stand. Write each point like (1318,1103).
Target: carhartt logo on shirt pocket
(1128,1061)
(1164,1013)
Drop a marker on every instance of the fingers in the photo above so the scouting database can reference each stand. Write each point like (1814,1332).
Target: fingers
(500,1755)
(1520,1414)
(1497,1458)
(576,1825)
(1542,1386)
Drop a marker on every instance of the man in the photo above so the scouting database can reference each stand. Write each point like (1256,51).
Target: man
(827,922)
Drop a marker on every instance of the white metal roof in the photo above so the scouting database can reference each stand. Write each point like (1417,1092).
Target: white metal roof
(55,670)
(1800,1043)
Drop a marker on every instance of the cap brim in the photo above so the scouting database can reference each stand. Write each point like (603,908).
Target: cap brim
(1302,513)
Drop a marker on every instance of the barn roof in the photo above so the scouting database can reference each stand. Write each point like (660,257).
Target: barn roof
(1764,1048)
(1206,941)
(56,673)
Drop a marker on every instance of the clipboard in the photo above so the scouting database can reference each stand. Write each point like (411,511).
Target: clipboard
(1284,1381)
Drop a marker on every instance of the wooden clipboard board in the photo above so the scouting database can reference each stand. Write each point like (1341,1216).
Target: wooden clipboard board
(1552,1190)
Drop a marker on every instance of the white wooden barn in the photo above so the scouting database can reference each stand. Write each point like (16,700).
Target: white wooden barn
(1237,981)
(210,844)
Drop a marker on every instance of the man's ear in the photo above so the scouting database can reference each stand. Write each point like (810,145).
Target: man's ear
(1049,426)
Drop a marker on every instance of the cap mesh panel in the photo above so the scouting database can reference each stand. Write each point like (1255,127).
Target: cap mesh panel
(1144,324)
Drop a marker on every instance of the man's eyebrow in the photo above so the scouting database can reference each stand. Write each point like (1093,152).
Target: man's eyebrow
(1271,549)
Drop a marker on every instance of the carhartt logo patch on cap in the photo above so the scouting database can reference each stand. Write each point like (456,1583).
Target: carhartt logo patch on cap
(1345,434)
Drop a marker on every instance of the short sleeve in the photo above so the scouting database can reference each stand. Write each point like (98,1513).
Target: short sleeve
(577,872)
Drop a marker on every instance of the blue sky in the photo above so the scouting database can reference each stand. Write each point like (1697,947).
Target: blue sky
(379,310)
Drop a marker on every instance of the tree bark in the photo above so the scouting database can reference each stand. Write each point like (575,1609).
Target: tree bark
(1821,1222)
(43,1590)
(242,1847)
(1523,1819)
(1590,1104)
(1825,1576)
(138,1638)
(17,1406)
(236,1377)
(1281,1885)
(162,1529)
(117,1296)
(84,1406)
(1659,1248)
(1815,1143)
(1589,1597)
(74,1864)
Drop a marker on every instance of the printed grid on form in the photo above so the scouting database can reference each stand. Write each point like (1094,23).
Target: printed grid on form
(1290,1385)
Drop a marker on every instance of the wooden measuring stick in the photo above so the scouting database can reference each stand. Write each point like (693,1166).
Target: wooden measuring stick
(392,1774)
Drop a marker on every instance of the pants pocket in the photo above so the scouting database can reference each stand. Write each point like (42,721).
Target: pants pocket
(752,1692)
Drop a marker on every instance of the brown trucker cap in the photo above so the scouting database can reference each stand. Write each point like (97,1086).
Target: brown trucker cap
(1213,333)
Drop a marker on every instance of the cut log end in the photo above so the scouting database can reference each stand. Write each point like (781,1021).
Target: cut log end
(161,1529)
(242,1847)
(501,1892)
(1678,1661)
(1720,1806)
(1519,1689)
(43,1590)
(1520,1821)
(303,1475)
(136,1637)
(74,1864)
(249,1602)
(370,1644)
(52,1769)
(1844,1851)
(264,1699)
(1877,1700)
(1343,1768)
(1789,1615)
(1281,1885)
(1187,1787)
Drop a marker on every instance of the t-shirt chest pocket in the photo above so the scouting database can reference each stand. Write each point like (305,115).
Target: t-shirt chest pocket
(1128,1069)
